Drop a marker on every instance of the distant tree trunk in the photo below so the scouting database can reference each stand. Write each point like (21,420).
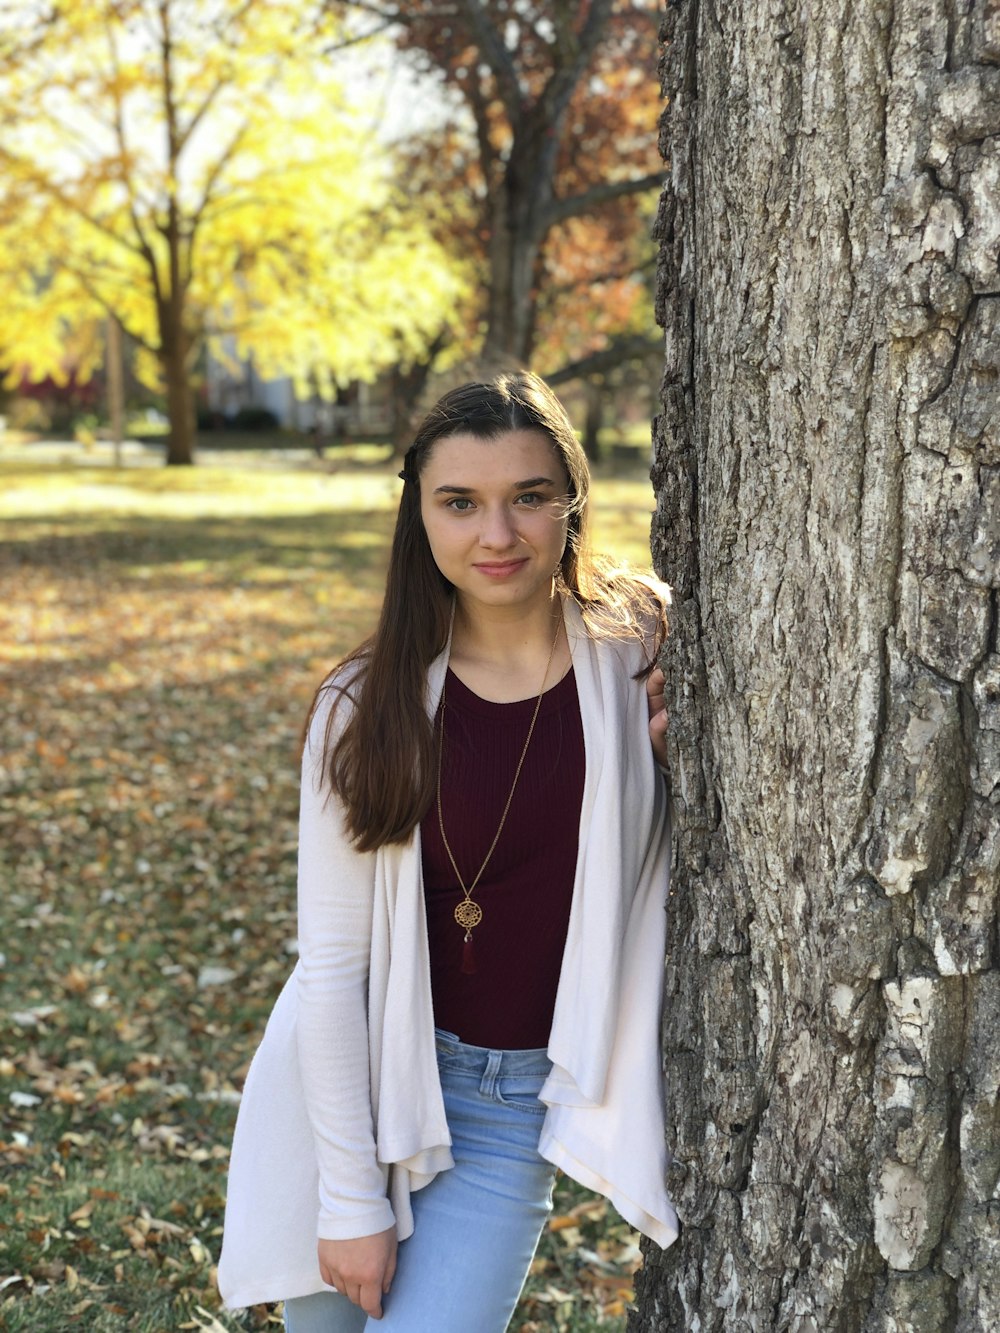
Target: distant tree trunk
(114,360)
(828,511)
(594,419)
(180,412)
(407,387)
(518,226)
(175,358)
(176,343)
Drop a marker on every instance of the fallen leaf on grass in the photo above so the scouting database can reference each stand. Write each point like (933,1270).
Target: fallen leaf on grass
(24,1100)
(205,1321)
(215,976)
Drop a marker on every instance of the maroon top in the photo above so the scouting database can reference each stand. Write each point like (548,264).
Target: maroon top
(527,887)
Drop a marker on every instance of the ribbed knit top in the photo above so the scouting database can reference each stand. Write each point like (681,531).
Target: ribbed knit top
(527,888)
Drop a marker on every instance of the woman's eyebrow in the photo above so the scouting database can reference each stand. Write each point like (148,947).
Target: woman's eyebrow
(517,486)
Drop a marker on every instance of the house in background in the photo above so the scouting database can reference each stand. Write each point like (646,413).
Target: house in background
(235,387)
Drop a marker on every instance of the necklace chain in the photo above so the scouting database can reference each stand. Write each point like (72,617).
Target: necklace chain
(468,913)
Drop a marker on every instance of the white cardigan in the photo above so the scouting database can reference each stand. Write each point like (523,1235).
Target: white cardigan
(315,1155)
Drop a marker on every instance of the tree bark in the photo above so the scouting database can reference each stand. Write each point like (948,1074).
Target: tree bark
(828,512)
(176,343)
(176,352)
(517,230)
(594,419)
(408,384)
(180,404)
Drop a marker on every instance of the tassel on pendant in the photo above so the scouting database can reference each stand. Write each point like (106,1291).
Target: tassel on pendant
(468,955)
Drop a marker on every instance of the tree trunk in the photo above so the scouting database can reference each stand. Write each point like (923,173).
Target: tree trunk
(516,234)
(114,363)
(175,359)
(828,512)
(594,419)
(408,384)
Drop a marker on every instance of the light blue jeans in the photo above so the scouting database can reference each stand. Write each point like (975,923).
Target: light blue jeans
(476,1226)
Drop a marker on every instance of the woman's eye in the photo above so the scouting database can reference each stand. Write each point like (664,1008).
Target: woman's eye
(461,503)
(530,498)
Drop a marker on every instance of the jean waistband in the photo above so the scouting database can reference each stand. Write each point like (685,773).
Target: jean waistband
(477,1059)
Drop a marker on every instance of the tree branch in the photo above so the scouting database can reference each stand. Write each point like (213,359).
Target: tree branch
(616,353)
(560,209)
(560,87)
(58,194)
(559,90)
(87,283)
(207,196)
(126,176)
(553,290)
(495,53)
(184,132)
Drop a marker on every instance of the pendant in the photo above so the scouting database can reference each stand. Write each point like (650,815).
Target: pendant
(468,915)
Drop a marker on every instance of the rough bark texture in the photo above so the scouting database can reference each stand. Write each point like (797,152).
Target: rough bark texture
(828,481)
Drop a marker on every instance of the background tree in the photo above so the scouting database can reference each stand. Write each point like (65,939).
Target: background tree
(828,479)
(194,171)
(549,185)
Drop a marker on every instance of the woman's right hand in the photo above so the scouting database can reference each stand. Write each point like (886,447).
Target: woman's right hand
(655,685)
(361,1269)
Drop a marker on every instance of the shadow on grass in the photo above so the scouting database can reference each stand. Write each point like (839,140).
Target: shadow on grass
(83,543)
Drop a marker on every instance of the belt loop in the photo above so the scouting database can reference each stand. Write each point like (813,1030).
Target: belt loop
(488,1082)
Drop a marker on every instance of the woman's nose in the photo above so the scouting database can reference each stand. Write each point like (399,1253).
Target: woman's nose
(498,532)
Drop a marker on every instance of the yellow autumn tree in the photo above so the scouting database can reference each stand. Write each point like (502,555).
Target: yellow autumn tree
(197,171)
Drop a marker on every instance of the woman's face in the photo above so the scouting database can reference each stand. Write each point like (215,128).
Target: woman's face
(495,514)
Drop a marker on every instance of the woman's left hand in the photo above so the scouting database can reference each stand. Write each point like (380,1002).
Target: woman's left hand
(657,716)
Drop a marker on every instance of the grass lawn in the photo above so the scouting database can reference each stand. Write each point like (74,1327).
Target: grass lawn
(161,632)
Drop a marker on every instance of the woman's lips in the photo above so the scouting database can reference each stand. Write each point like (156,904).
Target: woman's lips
(499,569)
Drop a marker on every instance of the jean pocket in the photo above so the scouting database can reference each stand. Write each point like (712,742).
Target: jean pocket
(521,1092)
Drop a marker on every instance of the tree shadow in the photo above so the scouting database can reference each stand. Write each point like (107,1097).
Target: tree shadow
(124,544)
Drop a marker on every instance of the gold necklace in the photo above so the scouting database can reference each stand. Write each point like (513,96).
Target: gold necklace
(468,912)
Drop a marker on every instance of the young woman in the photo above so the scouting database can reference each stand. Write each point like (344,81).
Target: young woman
(482,881)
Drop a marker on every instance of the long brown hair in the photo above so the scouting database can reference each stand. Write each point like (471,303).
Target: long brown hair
(381,761)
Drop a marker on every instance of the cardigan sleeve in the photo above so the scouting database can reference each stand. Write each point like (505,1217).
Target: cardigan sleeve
(335,897)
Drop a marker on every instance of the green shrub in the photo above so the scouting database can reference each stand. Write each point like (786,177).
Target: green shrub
(254,418)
